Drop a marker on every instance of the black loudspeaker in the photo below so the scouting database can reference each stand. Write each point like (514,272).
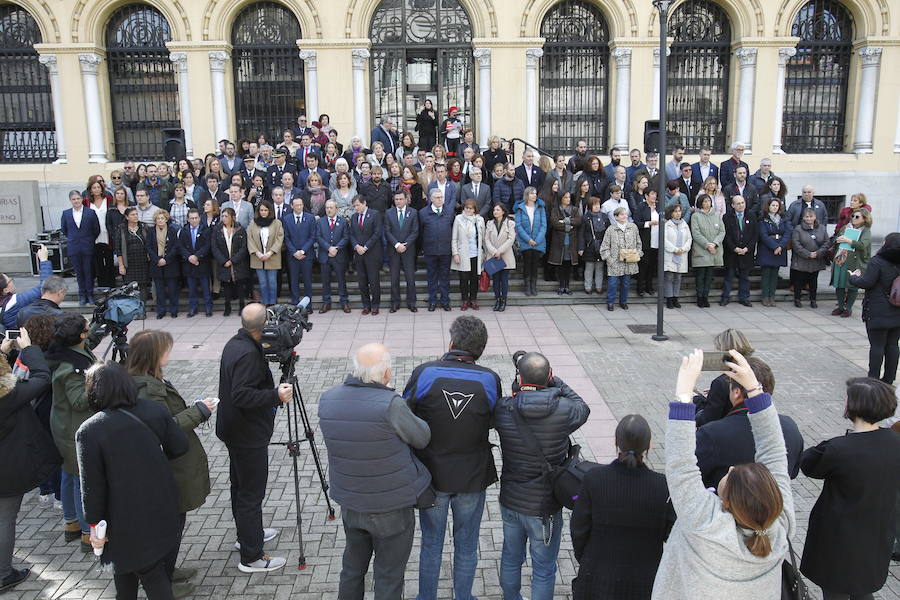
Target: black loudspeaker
(652,139)
(173,143)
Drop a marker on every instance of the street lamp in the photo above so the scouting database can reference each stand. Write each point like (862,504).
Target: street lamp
(662,6)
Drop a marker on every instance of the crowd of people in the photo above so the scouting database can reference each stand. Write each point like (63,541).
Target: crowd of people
(306,203)
(717,523)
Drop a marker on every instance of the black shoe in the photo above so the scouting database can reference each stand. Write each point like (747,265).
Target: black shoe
(446,307)
(724,302)
(412,308)
(496,304)
(226,312)
(610,307)
(394,309)
(209,313)
(745,303)
(797,303)
(13,579)
(813,304)
(432,307)
(559,291)
(502,305)
(624,305)
(174,315)
(676,303)
(160,315)
(668,303)
(640,293)
(192,313)
(567,292)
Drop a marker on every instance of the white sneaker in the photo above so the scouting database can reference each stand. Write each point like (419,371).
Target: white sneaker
(266,563)
(269,533)
(45,499)
(57,504)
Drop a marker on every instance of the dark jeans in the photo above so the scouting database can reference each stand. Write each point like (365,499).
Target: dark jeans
(249,471)
(647,269)
(166,295)
(172,558)
(883,347)
(83,264)
(530,259)
(468,281)
(743,274)
(104,266)
(9,510)
(704,277)
(501,283)
(826,595)
(437,267)
(199,287)
(153,578)
(390,536)
(564,273)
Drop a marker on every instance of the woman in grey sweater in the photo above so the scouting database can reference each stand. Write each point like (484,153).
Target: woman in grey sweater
(731,545)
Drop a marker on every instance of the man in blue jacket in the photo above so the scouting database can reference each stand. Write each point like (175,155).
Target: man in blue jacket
(455,397)
(436,225)
(194,242)
(299,237)
(81,227)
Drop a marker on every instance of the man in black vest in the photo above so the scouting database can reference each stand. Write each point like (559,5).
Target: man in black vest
(456,398)
(368,430)
(248,398)
(740,250)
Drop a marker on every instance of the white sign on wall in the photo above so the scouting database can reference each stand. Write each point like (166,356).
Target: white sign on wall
(10,210)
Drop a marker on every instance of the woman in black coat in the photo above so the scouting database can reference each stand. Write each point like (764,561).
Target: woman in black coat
(123,448)
(881,317)
(426,126)
(165,263)
(621,519)
(232,260)
(851,527)
(29,454)
(645,216)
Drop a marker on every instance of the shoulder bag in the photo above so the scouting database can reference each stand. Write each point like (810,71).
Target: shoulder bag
(792,585)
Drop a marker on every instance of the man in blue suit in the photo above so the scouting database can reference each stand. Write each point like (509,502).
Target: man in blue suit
(195,246)
(401,228)
(333,236)
(436,227)
(384,133)
(312,166)
(365,242)
(81,227)
(704,168)
(299,237)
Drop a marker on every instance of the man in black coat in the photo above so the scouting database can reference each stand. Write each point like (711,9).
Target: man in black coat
(729,441)
(687,184)
(279,168)
(742,187)
(401,228)
(194,243)
(53,292)
(376,191)
(740,250)
(529,173)
(365,242)
(248,399)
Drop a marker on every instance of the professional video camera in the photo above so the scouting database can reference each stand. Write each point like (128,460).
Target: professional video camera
(113,311)
(285,324)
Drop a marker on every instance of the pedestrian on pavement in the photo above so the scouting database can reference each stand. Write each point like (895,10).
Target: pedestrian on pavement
(126,446)
(534,426)
(245,422)
(677,246)
(369,429)
(165,265)
(436,227)
(851,527)
(148,356)
(531,232)
(618,557)
(707,233)
(809,243)
(499,238)
(621,250)
(731,545)
(852,259)
(456,397)
(774,237)
(882,318)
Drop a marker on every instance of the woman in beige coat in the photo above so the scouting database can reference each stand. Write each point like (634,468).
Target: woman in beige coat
(499,237)
(265,237)
(620,235)
(467,248)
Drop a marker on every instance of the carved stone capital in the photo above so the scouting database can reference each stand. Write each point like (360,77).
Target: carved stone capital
(359,56)
(533,56)
(179,59)
(309,57)
(90,62)
(483,56)
(217,60)
(746,55)
(622,56)
(49,61)
(656,56)
(870,55)
(785,54)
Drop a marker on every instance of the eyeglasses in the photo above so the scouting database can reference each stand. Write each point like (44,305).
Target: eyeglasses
(857,216)
(116,177)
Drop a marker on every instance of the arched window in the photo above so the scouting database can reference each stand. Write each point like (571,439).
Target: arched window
(421,50)
(574,81)
(269,82)
(142,87)
(27,132)
(817,79)
(698,73)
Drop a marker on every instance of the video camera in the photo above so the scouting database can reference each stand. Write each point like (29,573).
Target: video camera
(113,311)
(285,324)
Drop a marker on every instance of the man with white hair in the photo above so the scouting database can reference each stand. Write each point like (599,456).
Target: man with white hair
(368,429)
(727,168)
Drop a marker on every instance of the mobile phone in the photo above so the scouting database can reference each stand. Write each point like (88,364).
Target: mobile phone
(714,360)
(13,334)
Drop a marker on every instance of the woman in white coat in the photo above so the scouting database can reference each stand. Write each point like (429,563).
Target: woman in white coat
(678,245)
(467,247)
(499,237)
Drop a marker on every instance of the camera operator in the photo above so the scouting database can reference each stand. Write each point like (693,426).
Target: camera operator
(552,410)
(248,399)
(368,430)
(53,292)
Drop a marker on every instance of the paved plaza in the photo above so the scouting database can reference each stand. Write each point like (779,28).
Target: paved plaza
(617,372)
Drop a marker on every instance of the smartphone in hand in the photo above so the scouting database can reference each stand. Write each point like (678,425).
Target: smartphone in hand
(714,360)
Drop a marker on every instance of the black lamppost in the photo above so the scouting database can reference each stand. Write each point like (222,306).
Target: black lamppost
(663,7)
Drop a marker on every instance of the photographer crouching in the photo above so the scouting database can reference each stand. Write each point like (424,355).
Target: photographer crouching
(248,399)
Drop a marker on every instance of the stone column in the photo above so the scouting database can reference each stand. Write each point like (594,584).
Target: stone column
(654,104)
(179,59)
(49,61)
(623,96)
(312,83)
(532,60)
(90,62)
(217,60)
(784,55)
(360,56)
(870,59)
(744,127)
(483,59)
(897,132)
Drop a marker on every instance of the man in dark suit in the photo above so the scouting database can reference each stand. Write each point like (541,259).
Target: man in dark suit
(311,165)
(279,168)
(306,149)
(301,127)
(687,184)
(332,237)
(299,237)
(250,171)
(231,162)
(436,227)
(401,228)
(742,187)
(480,192)
(80,226)
(530,174)
(729,441)
(384,133)
(365,241)
(740,250)
(194,242)
(449,189)
(215,190)
(704,168)
(290,191)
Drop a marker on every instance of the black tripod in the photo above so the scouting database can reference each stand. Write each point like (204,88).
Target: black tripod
(296,413)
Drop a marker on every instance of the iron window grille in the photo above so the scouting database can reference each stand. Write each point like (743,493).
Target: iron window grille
(27,129)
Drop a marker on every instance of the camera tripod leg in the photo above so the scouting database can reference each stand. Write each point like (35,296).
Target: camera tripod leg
(293,446)
(310,436)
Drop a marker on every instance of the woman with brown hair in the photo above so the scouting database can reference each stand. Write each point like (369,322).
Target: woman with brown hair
(265,238)
(165,266)
(565,241)
(148,355)
(731,545)
(229,248)
(130,244)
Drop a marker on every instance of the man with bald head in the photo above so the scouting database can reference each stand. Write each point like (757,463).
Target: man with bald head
(368,429)
(247,402)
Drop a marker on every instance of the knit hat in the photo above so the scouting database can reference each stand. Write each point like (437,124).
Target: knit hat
(452,110)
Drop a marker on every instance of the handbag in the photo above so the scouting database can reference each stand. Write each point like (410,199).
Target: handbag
(792,585)
(565,479)
(484,282)
(629,255)
(595,243)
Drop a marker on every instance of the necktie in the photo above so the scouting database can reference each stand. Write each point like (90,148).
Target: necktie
(401,216)
(360,222)
(297,219)
(475,190)
(740,220)
(331,224)
(193,237)
(439,211)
